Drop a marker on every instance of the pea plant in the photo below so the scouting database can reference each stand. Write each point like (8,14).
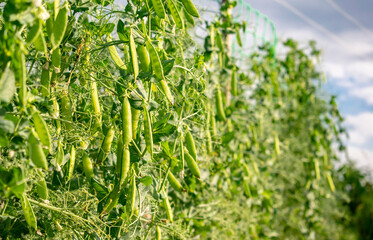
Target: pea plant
(115,123)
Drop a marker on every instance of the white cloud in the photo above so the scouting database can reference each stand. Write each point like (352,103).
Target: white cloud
(362,156)
(365,93)
(360,128)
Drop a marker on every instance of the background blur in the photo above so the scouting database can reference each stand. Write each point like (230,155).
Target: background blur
(343,30)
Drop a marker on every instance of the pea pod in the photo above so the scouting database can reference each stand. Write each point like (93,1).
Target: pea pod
(45,80)
(155,60)
(59,27)
(246,187)
(42,189)
(112,199)
(238,36)
(56,58)
(158,233)
(87,166)
(106,145)
(132,196)
(188,17)
(277,145)
(209,145)
(66,111)
(42,129)
(95,101)
(115,56)
(124,164)
(219,41)
(190,8)
(192,165)
(175,184)
(159,8)
(181,151)
(135,116)
(330,181)
(133,53)
(21,75)
(167,206)
(190,145)
(126,121)
(119,154)
(40,43)
(71,163)
(34,32)
(175,14)
(28,212)
(36,151)
(166,90)
(148,132)
(212,126)
(219,105)
(317,169)
(234,83)
(144,58)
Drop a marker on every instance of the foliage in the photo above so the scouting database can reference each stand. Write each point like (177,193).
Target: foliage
(114,123)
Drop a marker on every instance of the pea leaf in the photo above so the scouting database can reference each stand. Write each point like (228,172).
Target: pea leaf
(167,66)
(6,126)
(146,181)
(7,85)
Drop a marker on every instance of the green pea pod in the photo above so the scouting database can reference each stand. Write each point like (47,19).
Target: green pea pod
(330,181)
(212,126)
(212,35)
(246,169)
(246,187)
(119,155)
(144,58)
(95,101)
(133,53)
(36,151)
(166,90)
(234,83)
(126,121)
(238,36)
(87,167)
(317,169)
(209,145)
(158,233)
(188,17)
(159,8)
(132,196)
(56,58)
(219,105)
(115,56)
(42,129)
(192,165)
(167,206)
(71,163)
(181,151)
(124,164)
(45,80)
(277,145)
(112,199)
(175,14)
(155,60)
(148,132)
(40,43)
(34,32)
(106,145)
(66,111)
(28,212)
(42,189)
(190,145)
(191,9)
(49,25)
(56,6)
(219,41)
(59,27)
(175,184)
(21,76)
(135,116)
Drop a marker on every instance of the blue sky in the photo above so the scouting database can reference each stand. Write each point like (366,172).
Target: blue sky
(343,29)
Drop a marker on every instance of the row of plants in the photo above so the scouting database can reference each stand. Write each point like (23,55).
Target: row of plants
(116,122)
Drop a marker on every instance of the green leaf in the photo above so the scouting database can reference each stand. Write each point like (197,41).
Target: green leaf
(7,85)
(167,66)
(146,181)
(227,137)
(6,126)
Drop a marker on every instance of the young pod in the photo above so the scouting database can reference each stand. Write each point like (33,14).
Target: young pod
(106,145)
(87,166)
(148,132)
(190,8)
(126,121)
(192,165)
(135,116)
(59,27)
(41,129)
(133,53)
(167,206)
(159,8)
(190,145)
(175,14)
(144,58)
(175,184)
(28,212)
(36,151)
(71,163)
(220,105)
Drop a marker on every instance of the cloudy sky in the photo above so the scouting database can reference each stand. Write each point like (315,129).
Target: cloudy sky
(343,29)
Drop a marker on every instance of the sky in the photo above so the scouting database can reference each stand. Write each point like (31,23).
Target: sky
(343,30)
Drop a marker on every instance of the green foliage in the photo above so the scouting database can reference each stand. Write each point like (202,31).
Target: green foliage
(92,148)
